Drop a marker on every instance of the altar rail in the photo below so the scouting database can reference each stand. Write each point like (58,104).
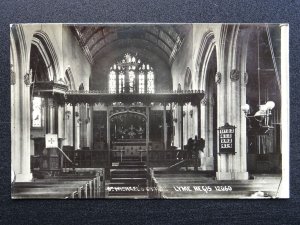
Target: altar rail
(100,159)
(87,159)
(166,155)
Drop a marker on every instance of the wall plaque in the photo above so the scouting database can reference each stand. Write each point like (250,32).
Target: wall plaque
(226,139)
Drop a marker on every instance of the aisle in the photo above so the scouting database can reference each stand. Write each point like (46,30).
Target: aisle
(128,179)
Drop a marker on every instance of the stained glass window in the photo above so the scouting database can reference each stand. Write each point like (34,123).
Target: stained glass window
(37,112)
(150,82)
(112,82)
(121,82)
(138,81)
(131,81)
(141,83)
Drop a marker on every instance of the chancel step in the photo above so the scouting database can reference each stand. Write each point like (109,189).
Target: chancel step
(128,179)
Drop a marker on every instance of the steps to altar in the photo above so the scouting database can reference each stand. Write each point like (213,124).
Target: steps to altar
(128,179)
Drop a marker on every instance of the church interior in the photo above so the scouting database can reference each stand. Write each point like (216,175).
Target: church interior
(147,111)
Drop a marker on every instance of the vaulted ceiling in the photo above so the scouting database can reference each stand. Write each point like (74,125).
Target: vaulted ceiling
(165,39)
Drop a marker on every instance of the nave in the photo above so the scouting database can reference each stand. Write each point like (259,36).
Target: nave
(148,110)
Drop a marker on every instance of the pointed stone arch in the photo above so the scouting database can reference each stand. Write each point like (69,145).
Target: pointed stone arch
(206,68)
(43,43)
(188,79)
(207,46)
(69,78)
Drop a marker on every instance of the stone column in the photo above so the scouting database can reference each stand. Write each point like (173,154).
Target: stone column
(90,127)
(147,132)
(51,116)
(285,111)
(77,128)
(61,122)
(68,131)
(83,125)
(181,126)
(230,97)
(165,127)
(207,159)
(176,137)
(199,120)
(21,123)
(74,126)
(108,133)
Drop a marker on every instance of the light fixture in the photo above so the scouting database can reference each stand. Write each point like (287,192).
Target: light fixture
(262,115)
(246,109)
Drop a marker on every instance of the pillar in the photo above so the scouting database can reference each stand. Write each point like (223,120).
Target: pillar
(51,116)
(90,127)
(181,126)
(68,131)
(165,127)
(77,128)
(74,125)
(83,125)
(21,123)
(61,122)
(285,115)
(147,132)
(199,120)
(108,134)
(206,132)
(230,98)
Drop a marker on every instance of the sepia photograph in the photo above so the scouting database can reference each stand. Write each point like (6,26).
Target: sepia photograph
(149,111)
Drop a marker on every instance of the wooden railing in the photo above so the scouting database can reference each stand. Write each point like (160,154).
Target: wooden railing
(100,159)
(166,155)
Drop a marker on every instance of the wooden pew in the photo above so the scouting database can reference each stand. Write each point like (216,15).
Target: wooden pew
(66,186)
(169,185)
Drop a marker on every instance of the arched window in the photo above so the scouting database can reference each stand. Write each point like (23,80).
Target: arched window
(142,83)
(112,82)
(150,82)
(121,82)
(36,112)
(131,81)
(131,75)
